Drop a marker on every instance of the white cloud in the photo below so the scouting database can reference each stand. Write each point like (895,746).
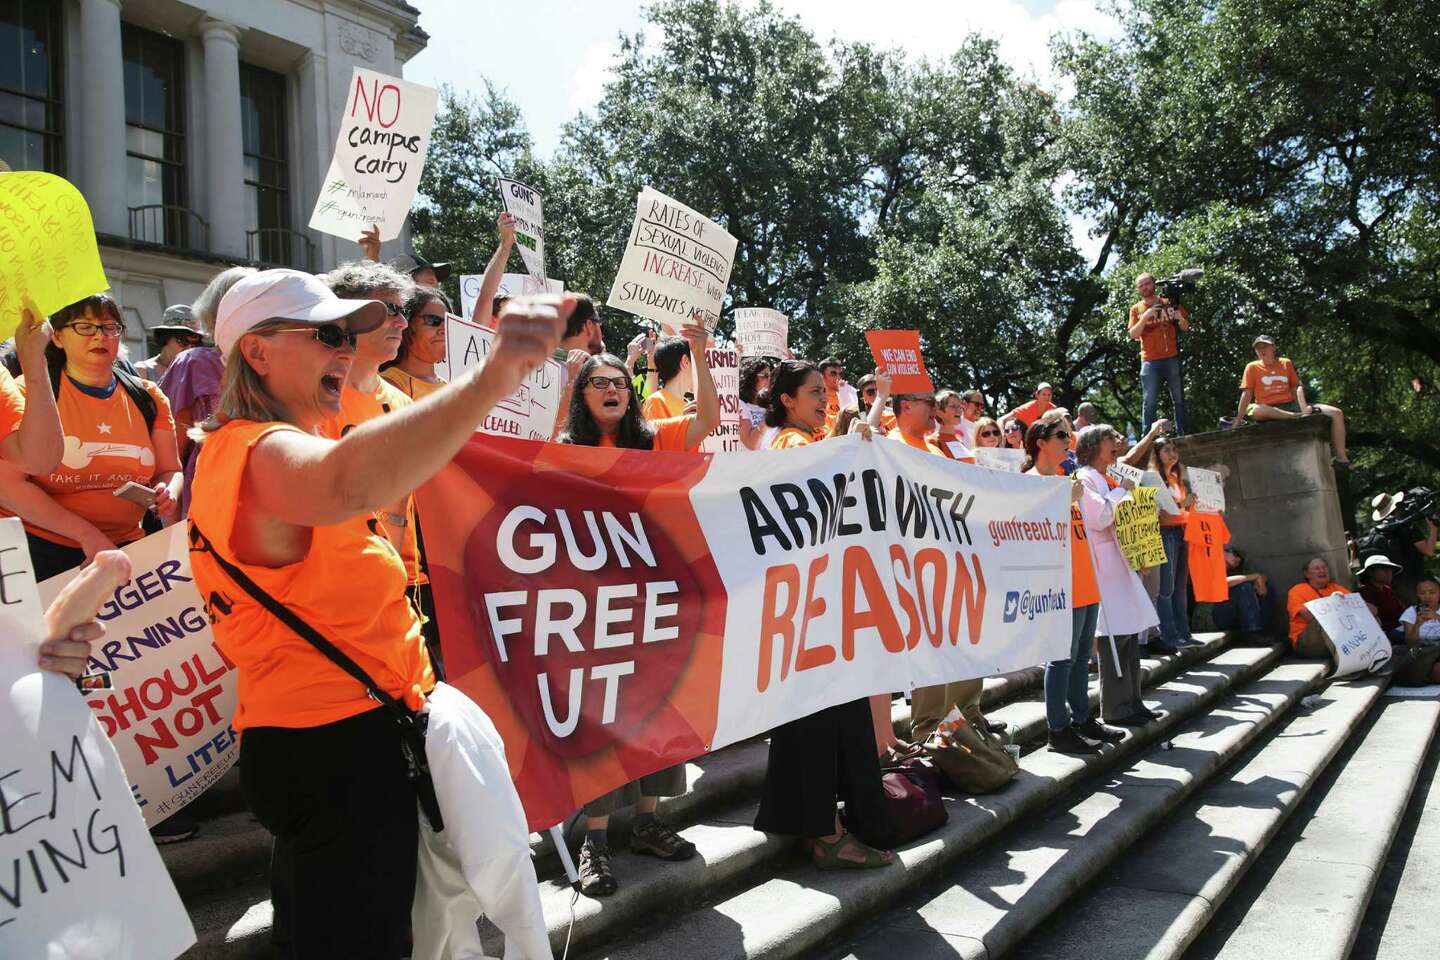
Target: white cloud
(587,83)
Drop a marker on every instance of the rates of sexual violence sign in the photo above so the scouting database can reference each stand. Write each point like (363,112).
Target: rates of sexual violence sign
(616,612)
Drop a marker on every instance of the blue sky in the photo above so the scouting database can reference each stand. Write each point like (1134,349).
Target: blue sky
(551,56)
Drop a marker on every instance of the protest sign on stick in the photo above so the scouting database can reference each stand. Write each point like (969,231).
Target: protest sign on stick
(379,156)
(1359,645)
(619,611)
(1209,489)
(1137,529)
(999,458)
(48,255)
(676,263)
(761,332)
(173,692)
(525,205)
(724,363)
(87,881)
(531,411)
(897,352)
(515,284)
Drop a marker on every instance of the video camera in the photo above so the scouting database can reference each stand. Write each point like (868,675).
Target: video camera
(1183,283)
(1420,503)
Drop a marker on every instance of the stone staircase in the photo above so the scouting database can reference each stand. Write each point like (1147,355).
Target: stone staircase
(1199,793)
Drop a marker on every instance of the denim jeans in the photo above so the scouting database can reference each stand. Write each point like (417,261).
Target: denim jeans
(1151,373)
(1172,602)
(1067,682)
(1246,610)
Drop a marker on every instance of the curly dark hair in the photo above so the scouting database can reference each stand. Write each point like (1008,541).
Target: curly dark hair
(750,370)
(101,306)
(634,431)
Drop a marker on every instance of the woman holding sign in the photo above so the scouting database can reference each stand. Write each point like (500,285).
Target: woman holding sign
(1125,607)
(1172,603)
(308,600)
(829,755)
(604,413)
(1067,682)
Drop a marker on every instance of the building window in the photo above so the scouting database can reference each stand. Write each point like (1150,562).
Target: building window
(267,167)
(155,139)
(30,120)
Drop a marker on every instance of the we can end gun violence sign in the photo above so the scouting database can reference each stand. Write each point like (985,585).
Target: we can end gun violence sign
(617,611)
(676,263)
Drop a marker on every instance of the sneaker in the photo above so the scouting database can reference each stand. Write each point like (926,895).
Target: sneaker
(996,727)
(1159,646)
(654,839)
(174,830)
(1093,729)
(1069,742)
(596,877)
(1227,423)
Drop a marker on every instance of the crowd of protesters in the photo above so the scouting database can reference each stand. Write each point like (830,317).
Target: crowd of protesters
(291,417)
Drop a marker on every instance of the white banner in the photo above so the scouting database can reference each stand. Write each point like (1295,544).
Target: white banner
(724,362)
(761,332)
(515,284)
(1209,489)
(1359,644)
(999,458)
(1123,471)
(814,571)
(531,412)
(172,693)
(379,155)
(524,204)
(84,880)
(676,262)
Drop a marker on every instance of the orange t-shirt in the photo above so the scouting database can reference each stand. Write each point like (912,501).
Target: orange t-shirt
(350,587)
(661,406)
(669,434)
(12,404)
(924,444)
(1271,384)
(412,387)
(790,437)
(1083,587)
(106,446)
(1030,412)
(1158,341)
(1206,534)
(356,408)
(1301,594)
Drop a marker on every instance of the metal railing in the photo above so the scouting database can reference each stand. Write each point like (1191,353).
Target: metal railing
(281,246)
(169,225)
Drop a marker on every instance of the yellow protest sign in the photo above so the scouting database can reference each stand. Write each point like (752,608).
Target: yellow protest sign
(1137,529)
(47,246)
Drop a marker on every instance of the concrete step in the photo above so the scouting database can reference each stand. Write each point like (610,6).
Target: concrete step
(747,923)
(1307,895)
(1002,893)
(1158,898)
(1402,923)
(234,921)
(232,847)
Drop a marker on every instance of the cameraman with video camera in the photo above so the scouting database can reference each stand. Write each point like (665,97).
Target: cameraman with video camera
(1156,321)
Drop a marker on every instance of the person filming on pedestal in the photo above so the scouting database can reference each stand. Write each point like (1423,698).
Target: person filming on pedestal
(1156,323)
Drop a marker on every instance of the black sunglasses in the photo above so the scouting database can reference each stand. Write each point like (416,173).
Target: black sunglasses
(989,433)
(331,335)
(1059,435)
(432,319)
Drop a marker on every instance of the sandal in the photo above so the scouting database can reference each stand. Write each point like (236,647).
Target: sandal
(826,854)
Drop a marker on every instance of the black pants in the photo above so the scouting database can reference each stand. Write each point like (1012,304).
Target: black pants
(51,559)
(816,760)
(342,868)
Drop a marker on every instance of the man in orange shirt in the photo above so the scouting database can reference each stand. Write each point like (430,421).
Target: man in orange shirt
(1306,634)
(1274,386)
(1028,413)
(1156,324)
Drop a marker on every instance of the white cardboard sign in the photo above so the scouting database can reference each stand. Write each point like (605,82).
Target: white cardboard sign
(676,262)
(515,284)
(530,412)
(525,205)
(88,883)
(724,362)
(1123,471)
(1359,643)
(379,156)
(1163,498)
(761,332)
(999,458)
(1209,489)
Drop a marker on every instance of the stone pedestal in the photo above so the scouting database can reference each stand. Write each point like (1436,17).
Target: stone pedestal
(1282,503)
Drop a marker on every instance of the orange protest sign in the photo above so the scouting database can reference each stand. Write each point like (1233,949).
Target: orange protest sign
(897,352)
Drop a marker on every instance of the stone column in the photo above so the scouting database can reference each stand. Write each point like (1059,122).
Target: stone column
(102,111)
(312,158)
(224,143)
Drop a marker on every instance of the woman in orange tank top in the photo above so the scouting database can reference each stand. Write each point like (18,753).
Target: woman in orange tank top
(830,754)
(322,767)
